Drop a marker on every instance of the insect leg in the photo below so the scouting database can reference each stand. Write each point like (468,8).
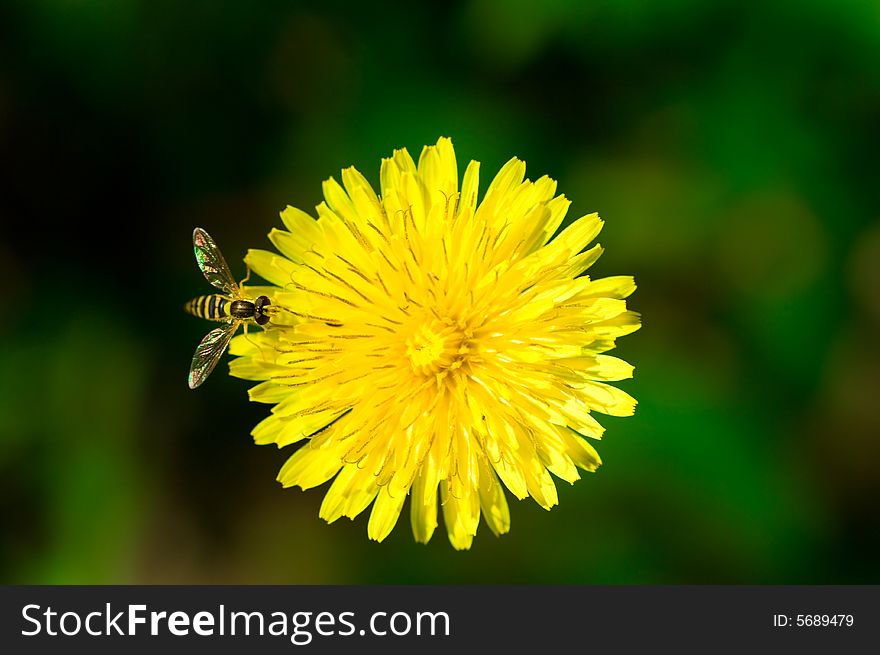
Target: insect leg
(247,267)
(261,347)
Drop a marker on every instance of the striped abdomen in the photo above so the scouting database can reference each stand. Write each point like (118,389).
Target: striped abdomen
(213,308)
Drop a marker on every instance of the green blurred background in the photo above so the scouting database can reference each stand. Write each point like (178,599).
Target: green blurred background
(731,147)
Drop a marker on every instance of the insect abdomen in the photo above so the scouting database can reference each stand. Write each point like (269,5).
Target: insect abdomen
(213,307)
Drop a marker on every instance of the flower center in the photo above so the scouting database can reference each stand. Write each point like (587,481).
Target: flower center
(437,346)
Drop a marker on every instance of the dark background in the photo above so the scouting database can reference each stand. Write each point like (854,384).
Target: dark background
(730,146)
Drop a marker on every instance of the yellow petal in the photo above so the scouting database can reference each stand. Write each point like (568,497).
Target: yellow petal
(469,189)
(619,286)
(354,181)
(461,515)
(254,368)
(338,200)
(558,209)
(492,501)
(350,494)
(423,515)
(384,516)
(269,266)
(437,170)
(608,400)
(267,430)
(291,244)
(389,177)
(581,453)
(268,392)
(309,467)
(509,177)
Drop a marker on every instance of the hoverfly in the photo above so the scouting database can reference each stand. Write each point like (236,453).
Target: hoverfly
(230,307)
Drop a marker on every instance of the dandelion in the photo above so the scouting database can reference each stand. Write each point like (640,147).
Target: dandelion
(431,346)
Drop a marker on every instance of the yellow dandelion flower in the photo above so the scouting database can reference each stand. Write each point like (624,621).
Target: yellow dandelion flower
(431,346)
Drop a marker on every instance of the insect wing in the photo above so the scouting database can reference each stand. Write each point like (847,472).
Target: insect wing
(212,264)
(209,352)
